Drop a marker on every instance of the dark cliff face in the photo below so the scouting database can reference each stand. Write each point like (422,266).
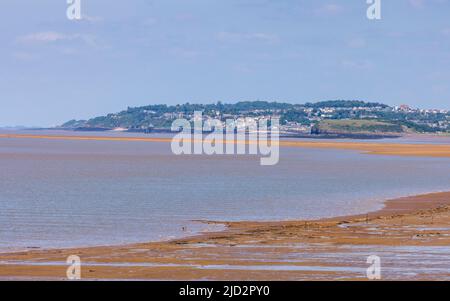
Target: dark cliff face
(315,130)
(356,129)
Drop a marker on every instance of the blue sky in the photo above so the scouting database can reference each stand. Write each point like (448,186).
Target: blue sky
(136,52)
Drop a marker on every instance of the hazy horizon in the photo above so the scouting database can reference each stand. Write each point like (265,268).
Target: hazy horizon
(135,53)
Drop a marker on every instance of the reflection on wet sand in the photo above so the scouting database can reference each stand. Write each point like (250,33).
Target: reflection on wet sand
(411,236)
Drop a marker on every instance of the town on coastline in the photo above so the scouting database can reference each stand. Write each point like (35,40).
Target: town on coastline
(327,119)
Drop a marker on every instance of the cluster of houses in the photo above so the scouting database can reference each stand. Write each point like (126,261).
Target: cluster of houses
(311,116)
(303,118)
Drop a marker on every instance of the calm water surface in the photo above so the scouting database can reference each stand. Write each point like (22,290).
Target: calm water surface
(81,193)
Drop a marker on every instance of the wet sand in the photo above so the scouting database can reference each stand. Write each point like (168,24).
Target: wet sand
(411,235)
(393,149)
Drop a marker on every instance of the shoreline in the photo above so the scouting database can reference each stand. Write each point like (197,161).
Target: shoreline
(225,224)
(401,223)
(318,249)
(373,148)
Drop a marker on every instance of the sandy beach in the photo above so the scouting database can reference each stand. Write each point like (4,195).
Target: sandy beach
(328,249)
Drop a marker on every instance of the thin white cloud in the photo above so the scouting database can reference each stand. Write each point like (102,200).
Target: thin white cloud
(362,65)
(239,37)
(242,68)
(439,88)
(185,17)
(416,3)
(44,37)
(150,21)
(47,37)
(357,43)
(91,19)
(330,9)
(23,56)
(186,53)
(422,3)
